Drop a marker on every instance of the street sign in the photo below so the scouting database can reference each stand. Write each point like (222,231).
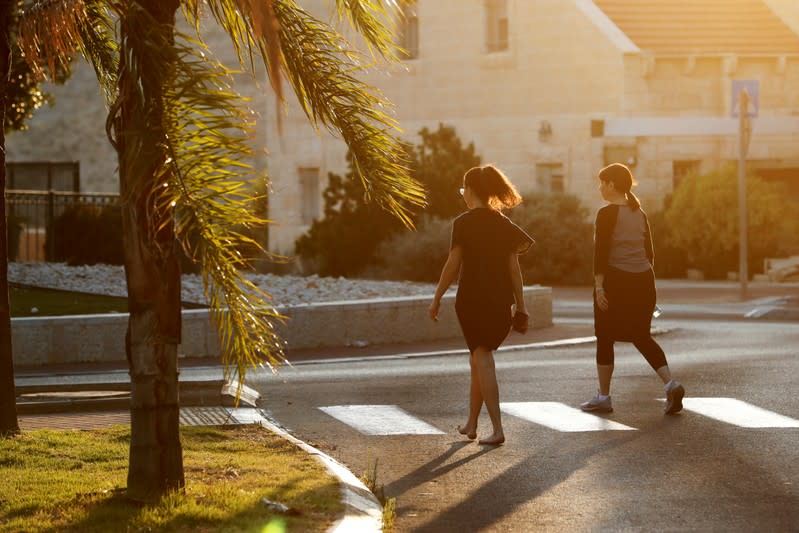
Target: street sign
(753,88)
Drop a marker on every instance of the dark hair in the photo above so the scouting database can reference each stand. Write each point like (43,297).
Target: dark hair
(492,187)
(622,179)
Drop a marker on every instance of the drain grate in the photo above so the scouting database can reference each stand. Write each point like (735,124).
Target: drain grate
(206,416)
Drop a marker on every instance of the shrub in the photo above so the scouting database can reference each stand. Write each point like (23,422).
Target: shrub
(670,261)
(703,222)
(86,235)
(563,233)
(439,163)
(559,224)
(345,241)
(413,255)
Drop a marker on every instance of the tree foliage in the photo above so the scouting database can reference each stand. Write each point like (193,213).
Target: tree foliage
(413,255)
(560,225)
(345,240)
(703,219)
(439,163)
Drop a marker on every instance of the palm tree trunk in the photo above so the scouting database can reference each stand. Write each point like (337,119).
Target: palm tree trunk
(153,278)
(8,402)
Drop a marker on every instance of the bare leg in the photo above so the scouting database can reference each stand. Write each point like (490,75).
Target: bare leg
(664,373)
(490,391)
(604,373)
(475,402)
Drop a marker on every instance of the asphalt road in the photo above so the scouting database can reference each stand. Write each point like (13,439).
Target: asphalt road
(688,472)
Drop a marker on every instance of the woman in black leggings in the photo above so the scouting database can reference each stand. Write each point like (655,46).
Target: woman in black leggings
(624,287)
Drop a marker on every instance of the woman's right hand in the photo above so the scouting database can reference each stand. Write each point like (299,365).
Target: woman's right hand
(432,311)
(601,299)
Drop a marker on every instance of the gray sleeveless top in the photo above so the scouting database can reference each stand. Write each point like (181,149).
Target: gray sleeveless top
(627,246)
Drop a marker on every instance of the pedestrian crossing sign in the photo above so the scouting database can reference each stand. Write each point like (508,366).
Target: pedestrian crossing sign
(753,88)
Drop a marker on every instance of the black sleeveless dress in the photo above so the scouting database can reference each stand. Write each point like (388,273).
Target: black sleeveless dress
(485,294)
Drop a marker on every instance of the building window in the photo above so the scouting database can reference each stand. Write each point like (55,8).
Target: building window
(496,25)
(408,28)
(309,194)
(550,177)
(682,169)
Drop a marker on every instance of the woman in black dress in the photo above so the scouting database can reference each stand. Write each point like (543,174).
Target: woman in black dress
(624,287)
(484,250)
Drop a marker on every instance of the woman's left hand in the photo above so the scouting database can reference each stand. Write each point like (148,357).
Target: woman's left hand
(432,311)
(601,299)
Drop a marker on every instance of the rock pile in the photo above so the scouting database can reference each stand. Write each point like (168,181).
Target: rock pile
(285,290)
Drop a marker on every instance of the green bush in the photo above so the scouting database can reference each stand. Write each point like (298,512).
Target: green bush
(439,163)
(345,241)
(563,232)
(413,255)
(670,261)
(559,224)
(703,222)
(86,235)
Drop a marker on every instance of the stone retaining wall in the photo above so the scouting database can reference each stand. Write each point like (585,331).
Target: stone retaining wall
(101,338)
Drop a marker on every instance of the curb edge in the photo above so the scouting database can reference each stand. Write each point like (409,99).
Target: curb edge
(362,511)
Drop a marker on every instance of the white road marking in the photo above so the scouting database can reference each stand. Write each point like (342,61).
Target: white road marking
(561,417)
(380,420)
(738,413)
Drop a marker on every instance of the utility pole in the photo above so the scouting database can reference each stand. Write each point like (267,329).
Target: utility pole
(744,129)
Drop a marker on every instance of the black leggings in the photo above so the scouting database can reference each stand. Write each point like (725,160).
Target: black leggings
(650,349)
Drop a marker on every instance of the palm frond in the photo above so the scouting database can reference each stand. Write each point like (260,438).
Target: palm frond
(209,129)
(203,180)
(374,20)
(98,45)
(253,29)
(51,32)
(322,69)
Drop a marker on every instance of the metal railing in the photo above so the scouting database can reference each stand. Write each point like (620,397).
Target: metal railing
(31,214)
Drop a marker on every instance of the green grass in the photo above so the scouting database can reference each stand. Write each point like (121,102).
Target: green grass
(54,302)
(51,302)
(73,481)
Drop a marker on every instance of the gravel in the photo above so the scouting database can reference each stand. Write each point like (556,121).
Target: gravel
(285,290)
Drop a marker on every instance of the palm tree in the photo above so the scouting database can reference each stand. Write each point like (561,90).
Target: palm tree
(181,134)
(20,96)
(8,411)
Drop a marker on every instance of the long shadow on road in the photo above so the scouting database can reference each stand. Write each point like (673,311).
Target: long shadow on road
(519,484)
(433,469)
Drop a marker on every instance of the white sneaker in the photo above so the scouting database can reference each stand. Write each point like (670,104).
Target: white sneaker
(597,405)
(674,398)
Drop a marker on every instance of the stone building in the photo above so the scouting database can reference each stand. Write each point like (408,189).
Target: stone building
(550,90)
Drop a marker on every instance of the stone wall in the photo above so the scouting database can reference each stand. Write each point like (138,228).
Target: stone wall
(100,338)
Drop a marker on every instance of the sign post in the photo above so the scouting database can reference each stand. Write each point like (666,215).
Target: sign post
(743,249)
(745,105)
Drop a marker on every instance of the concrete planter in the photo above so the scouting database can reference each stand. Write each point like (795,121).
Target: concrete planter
(101,338)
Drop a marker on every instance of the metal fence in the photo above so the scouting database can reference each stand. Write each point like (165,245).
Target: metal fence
(31,213)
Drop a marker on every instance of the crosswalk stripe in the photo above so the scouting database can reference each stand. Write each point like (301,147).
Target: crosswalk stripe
(380,420)
(561,417)
(738,413)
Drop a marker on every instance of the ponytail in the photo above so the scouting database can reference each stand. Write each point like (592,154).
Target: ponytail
(622,179)
(492,187)
(632,200)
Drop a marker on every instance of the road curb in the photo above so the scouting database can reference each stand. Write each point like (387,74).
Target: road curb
(560,343)
(362,512)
